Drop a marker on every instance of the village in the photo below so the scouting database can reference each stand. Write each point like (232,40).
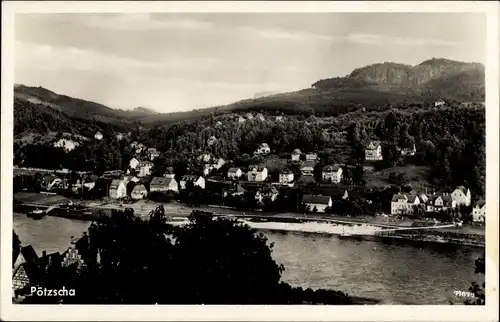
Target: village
(253,188)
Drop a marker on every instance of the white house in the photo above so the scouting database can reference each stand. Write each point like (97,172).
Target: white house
(462,196)
(241,119)
(266,192)
(133,163)
(311,156)
(163,184)
(286,176)
(139,192)
(479,211)
(118,189)
(260,117)
(98,135)
(296,155)
(440,202)
(263,149)
(256,173)
(439,103)
(374,151)
(403,204)
(316,203)
(332,174)
(234,173)
(144,168)
(197,181)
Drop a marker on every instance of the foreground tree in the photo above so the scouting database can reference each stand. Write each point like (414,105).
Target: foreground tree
(207,261)
(476,288)
(16,246)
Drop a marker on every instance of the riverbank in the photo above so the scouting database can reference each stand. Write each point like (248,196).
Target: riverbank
(372,228)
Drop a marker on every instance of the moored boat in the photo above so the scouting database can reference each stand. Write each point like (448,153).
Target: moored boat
(36,214)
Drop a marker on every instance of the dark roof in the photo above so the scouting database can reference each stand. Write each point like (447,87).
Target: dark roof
(316,199)
(398,196)
(29,253)
(234,170)
(480,203)
(50,258)
(411,198)
(462,188)
(115,183)
(161,181)
(190,177)
(169,170)
(286,171)
(139,187)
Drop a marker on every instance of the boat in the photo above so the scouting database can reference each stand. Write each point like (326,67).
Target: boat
(36,214)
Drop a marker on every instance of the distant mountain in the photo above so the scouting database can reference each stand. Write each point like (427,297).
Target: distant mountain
(264,94)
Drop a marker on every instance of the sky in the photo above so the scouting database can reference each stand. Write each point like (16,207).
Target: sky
(182,61)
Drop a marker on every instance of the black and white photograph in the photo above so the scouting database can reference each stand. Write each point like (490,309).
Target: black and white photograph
(269,157)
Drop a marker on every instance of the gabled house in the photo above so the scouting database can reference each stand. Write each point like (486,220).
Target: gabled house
(307,169)
(209,167)
(403,204)
(27,274)
(332,174)
(241,119)
(311,157)
(144,168)
(296,155)
(440,202)
(260,117)
(263,149)
(423,198)
(256,173)
(462,196)
(26,255)
(118,189)
(197,181)
(286,176)
(98,135)
(234,173)
(169,173)
(139,192)
(373,151)
(133,163)
(249,116)
(479,211)
(266,192)
(316,203)
(74,255)
(152,153)
(163,184)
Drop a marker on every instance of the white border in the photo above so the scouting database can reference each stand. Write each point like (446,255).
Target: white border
(261,313)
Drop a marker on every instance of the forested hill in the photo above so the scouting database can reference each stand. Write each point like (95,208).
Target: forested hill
(377,86)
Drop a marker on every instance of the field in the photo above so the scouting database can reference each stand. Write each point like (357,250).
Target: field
(417,176)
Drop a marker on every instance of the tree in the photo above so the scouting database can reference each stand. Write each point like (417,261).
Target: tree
(208,261)
(475,288)
(16,246)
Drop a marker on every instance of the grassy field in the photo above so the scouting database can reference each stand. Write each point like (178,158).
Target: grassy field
(417,176)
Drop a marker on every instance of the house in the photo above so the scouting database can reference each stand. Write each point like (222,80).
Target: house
(332,174)
(66,144)
(74,254)
(133,163)
(402,204)
(169,173)
(279,118)
(234,173)
(462,196)
(139,192)
(241,119)
(311,157)
(163,184)
(307,169)
(260,117)
(118,189)
(249,116)
(27,274)
(263,149)
(296,155)
(218,164)
(26,255)
(409,151)
(479,211)
(316,203)
(423,198)
(439,103)
(211,140)
(98,135)
(152,153)
(197,181)
(266,192)
(119,136)
(144,168)
(256,173)
(218,124)
(286,176)
(440,202)
(50,181)
(373,151)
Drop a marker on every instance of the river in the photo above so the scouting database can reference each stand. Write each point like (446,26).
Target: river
(395,273)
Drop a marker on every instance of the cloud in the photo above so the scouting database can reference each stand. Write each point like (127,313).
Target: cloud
(144,22)
(277,34)
(384,40)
